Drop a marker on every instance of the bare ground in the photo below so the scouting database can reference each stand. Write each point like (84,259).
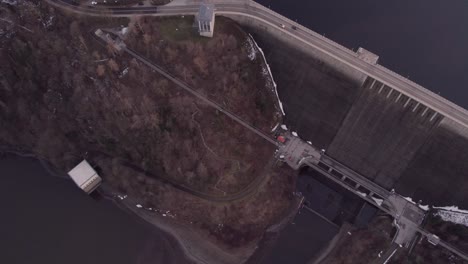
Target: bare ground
(194,220)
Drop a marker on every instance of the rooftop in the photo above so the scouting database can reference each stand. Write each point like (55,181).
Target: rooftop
(206,12)
(82,173)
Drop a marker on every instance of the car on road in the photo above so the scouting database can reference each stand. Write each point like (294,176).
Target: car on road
(294,27)
(282,26)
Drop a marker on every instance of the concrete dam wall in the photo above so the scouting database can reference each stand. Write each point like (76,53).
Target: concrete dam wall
(381,133)
(316,93)
(375,130)
(402,144)
(438,173)
(260,30)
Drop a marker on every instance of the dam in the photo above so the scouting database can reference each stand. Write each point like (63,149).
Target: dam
(395,140)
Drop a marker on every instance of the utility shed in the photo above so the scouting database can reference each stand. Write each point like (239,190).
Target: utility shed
(85,177)
(367,56)
(205,19)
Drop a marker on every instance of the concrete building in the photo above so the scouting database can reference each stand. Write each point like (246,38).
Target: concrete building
(205,19)
(85,177)
(367,56)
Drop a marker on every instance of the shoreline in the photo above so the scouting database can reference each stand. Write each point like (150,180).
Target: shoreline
(120,236)
(327,251)
(272,233)
(191,243)
(194,246)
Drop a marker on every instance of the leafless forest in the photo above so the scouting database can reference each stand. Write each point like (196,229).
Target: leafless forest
(64,96)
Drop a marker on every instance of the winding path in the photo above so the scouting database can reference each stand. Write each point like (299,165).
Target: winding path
(253,10)
(270,18)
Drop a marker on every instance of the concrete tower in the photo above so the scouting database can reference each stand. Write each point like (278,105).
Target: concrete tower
(205,19)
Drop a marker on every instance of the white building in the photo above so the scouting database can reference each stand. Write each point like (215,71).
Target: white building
(85,177)
(205,19)
(367,56)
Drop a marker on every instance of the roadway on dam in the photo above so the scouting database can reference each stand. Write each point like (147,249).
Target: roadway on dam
(262,14)
(400,85)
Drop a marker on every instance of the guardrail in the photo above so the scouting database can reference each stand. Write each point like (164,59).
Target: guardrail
(350,58)
(350,52)
(303,28)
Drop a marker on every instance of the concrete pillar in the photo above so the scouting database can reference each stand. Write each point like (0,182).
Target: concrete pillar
(424,112)
(381,88)
(398,98)
(389,93)
(205,17)
(407,102)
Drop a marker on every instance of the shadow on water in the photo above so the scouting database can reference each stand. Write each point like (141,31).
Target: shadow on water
(96,196)
(302,239)
(326,207)
(328,198)
(48,219)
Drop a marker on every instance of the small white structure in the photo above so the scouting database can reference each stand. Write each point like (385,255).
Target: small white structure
(433,239)
(367,56)
(113,40)
(205,19)
(85,177)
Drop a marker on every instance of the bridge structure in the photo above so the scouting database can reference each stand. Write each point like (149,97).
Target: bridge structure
(298,153)
(293,150)
(408,215)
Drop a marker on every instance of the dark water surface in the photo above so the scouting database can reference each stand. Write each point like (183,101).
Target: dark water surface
(327,206)
(46,219)
(302,239)
(426,40)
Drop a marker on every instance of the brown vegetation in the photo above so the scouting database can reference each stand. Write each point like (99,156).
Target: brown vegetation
(66,97)
(219,67)
(237,223)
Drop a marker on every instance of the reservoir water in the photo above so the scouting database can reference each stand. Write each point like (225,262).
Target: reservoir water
(426,40)
(327,206)
(46,219)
